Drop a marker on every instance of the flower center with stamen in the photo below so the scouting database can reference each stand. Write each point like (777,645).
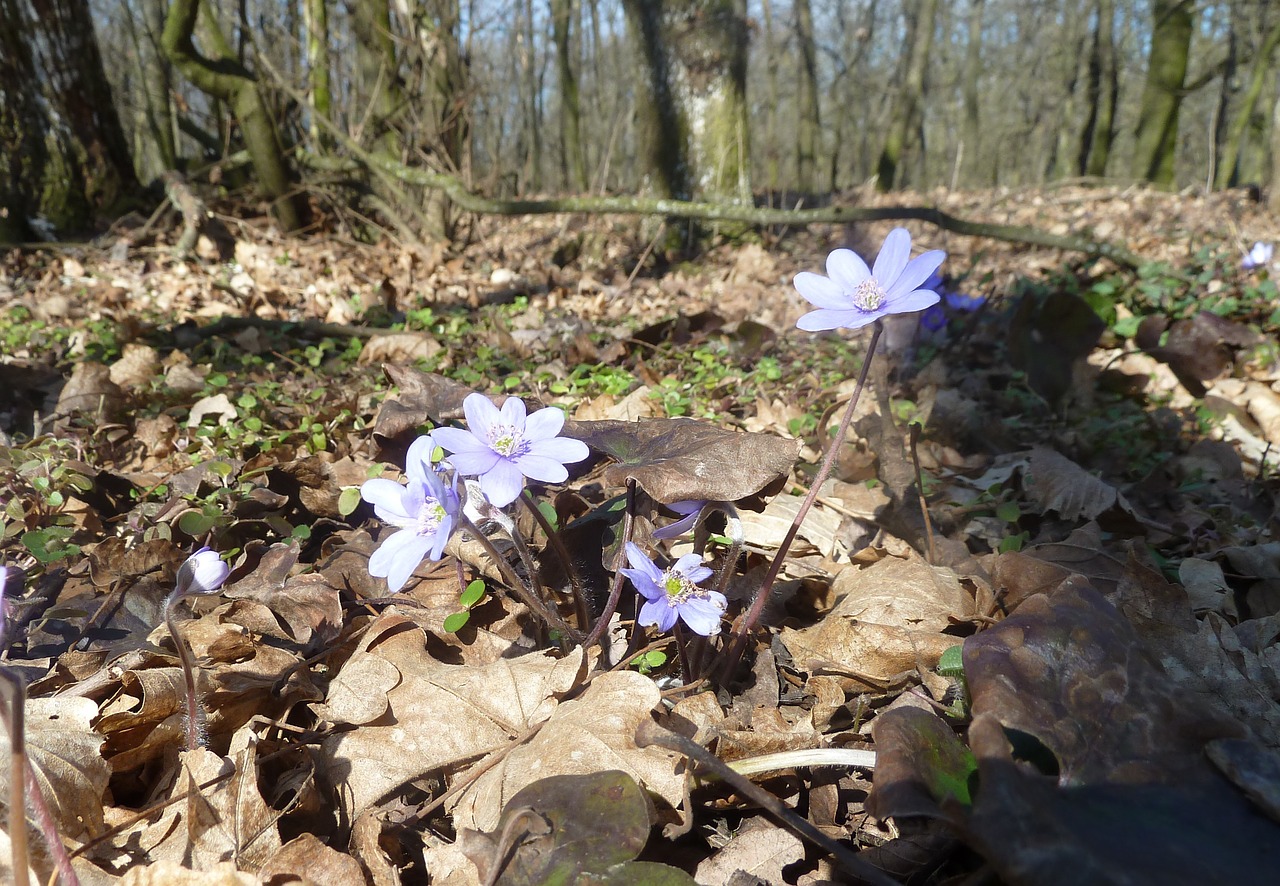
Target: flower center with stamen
(868,296)
(506,441)
(678,587)
(430,517)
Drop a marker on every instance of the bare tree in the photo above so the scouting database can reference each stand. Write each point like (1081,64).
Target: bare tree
(1156,136)
(909,107)
(573,161)
(1101,93)
(809,130)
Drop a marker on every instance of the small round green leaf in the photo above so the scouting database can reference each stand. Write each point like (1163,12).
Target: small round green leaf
(473,594)
(349,500)
(454,623)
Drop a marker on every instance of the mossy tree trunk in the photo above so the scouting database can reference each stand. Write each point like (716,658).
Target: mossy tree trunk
(224,78)
(1102,92)
(1156,138)
(316,20)
(1263,67)
(63,154)
(573,161)
(973,161)
(693,104)
(907,111)
(809,130)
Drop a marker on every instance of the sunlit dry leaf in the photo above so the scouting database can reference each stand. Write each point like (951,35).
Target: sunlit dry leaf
(65,753)
(680,459)
(307,604)
(760,849)
(766,530)
(594,731)
(404,348)
(228,821)
(137,366)
(143,716)
(91,391)
(438,714)
(171,873)
(216,405)
(864,655)
(903,592)
(306,858)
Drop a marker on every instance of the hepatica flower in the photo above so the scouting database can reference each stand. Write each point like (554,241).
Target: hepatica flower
(688,511)
(201,573)
(853,295)
(1257,257)
(674,593)
(504,446)
(425,510)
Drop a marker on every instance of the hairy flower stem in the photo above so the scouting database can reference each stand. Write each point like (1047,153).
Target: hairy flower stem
(833,449)
(557,545)
(195,710)
(522,591)
(44,818)
(615,589)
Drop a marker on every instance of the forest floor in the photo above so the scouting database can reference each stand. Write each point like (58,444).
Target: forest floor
(1068,671)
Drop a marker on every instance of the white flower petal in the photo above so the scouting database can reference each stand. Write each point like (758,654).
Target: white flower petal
(893,257)
(847,269)
(821,291)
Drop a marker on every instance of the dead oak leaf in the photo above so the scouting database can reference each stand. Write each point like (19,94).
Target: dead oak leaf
(436,714)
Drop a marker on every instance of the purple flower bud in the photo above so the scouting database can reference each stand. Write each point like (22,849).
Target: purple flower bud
(202,573)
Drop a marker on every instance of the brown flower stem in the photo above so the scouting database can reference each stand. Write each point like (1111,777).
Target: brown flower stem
(557,545)
(924,504)
(615,589)
(650,733)
(833,449)
(526,559)
(61,860)
(195,711)
(522,591)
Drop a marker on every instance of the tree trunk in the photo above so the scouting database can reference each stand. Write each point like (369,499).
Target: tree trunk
(1262,68)
(316,19)
(809,130)
(573,162)
(63,155)
(226,79)
(693,109)
(971,141)
(908,109)
(1156,138)
(1103,90)
(379,72)
(1273,195)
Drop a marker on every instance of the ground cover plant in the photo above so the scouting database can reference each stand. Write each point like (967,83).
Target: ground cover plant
(811,557)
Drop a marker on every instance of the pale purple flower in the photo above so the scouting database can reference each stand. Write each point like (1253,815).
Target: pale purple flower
(933,318)
(853,295)
(425,510)
(689,511)
(958,301)
(673,593)
(502,447)
(1257,257)
(201,573)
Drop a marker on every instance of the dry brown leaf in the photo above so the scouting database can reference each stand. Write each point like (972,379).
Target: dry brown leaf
(438,714)
(593,732)
(143,717)
(65,754)
(308,859)
(821,528)
(403,348)
(228,821)
(1056,483)
(171,873)
(905,593)
(760,849)
(864,655)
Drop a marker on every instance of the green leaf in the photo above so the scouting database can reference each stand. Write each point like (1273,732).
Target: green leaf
(302,532)
(473,594)
(549,511)
(196,523)
(50,544)
(454,623)
(348,500)
(951,664)
(1009,511)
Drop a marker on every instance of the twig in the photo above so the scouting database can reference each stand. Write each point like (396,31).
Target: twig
(650,733)
(615,589)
